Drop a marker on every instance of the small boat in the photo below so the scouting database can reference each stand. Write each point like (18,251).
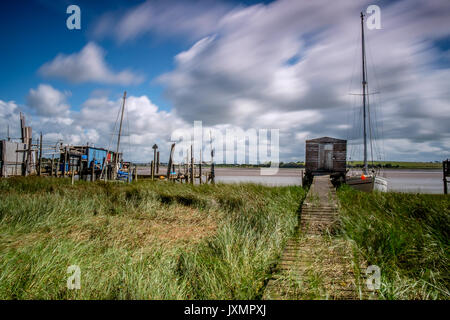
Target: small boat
(366,181)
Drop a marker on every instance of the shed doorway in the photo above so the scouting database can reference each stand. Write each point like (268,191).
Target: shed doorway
(326,156)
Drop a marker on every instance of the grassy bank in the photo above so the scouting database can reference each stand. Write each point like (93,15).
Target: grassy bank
(406,235)
(397,164)
(148,240)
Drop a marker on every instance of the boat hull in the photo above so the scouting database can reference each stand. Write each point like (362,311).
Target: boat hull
(368,184)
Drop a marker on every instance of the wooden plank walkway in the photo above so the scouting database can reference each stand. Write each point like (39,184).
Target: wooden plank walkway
(315,264)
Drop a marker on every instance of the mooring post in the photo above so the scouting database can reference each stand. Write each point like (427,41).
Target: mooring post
(65,162)
(200,168)
(155,147)
(152,169)
(169,164)
(93,170)
(28,158)
(53,160)
(40,155)
(157,162)
(57,163)
(192,165)
(445,169)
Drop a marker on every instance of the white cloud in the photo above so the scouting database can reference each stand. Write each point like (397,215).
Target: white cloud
(288,65)
(88,65)
(174,17)
(265,63)
(9,114)
(47,101)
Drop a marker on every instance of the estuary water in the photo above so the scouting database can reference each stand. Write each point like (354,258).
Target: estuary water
(401,180)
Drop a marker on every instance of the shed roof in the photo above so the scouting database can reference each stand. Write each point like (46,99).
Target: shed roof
(326,140)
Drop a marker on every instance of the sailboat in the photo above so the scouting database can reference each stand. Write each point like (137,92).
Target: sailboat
(366,181)
(115,167)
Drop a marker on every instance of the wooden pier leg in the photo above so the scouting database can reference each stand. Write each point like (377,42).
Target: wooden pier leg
(157,163)
(153,170)
(192,165)
(53,160)
(93,171)
(65,162)
(200,168)
(40,155)
(57,164)
(445,172)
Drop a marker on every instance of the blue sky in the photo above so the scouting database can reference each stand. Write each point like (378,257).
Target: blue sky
(37,32)
(286,64)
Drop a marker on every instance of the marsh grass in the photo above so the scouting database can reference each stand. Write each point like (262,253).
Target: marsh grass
(146,240)
(406,235)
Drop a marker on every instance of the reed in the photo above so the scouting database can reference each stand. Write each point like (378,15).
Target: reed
(406,235)
(146,240)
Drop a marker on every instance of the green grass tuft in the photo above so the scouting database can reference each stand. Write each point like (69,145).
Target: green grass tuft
(146,240)
(406,235)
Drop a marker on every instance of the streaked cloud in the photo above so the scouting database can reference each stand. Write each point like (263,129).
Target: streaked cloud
(88,65)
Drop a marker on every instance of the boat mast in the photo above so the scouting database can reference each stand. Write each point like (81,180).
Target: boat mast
(364,85)
(120,131)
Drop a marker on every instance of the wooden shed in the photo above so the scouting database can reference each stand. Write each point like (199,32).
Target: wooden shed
(325,156)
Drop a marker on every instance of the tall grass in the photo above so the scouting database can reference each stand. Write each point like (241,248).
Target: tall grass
(406,235)
(147,240)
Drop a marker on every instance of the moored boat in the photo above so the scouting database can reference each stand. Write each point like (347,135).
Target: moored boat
(365,181)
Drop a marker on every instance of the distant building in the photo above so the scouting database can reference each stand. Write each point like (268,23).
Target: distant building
(325,156)
(16,159)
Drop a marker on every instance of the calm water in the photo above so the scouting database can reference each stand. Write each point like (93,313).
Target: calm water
(422,181)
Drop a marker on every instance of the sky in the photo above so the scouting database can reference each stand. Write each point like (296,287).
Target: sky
(291,65)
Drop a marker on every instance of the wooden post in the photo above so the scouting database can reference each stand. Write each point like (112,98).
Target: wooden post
(53,161)
(40,155)
(157,162)
(445,169)
(200,168)
(155,147)
(73,176)
(69,162)
(65,162)
(153,170)
(93,170)
(192,165)
(57,163)
(169,164)
(135,173)
(212,173)
(28,157)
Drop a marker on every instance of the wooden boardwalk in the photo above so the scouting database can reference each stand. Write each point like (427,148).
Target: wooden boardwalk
(315,264)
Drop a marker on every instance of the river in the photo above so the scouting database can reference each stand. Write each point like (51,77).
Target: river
(401,180)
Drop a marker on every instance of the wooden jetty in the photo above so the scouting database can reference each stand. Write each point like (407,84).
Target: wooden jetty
(316,264)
